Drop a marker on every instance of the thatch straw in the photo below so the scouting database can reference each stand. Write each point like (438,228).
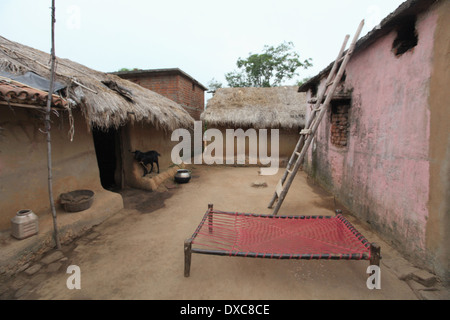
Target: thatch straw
(276,107)
(102,106)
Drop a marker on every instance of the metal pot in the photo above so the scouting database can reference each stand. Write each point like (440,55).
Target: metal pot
(182,176)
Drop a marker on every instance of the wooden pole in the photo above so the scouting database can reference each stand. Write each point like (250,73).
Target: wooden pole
(48,129)
(375,254)
(187,257)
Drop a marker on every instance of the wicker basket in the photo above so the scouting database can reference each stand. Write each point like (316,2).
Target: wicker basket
(77,200)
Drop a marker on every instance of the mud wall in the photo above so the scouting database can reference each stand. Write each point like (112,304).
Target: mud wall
(145,137)
(286,143)
(23,161)
(438,225)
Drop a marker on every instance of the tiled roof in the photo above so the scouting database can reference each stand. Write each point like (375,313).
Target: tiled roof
(16,92)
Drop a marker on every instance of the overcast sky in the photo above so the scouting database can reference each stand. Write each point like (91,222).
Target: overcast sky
(204,38)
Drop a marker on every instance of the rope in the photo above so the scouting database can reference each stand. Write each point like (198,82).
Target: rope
(281,237)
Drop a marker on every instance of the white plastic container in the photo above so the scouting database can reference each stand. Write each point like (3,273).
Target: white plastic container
(25,224)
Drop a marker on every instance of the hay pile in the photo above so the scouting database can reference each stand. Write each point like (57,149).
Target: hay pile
(276,107)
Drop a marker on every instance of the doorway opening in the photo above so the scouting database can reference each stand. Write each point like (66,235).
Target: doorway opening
(108,151)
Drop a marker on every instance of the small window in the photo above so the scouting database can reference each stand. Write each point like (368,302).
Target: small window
(314,91)
(407,37)
(340,123)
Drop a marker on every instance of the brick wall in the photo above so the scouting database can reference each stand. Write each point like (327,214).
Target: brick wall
(191,96)
(165,85)
(339,125)
(176,87)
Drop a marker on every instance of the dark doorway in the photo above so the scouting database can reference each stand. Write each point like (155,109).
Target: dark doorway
(107,149)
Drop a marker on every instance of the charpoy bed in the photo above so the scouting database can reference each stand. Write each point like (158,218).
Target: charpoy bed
(278,237)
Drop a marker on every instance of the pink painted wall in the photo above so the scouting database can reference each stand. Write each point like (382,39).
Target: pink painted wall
(382,175)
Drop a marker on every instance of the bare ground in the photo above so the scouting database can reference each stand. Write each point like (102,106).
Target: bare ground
(138,253)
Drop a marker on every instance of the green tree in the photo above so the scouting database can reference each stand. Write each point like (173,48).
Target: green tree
(126,69)
(269,69)
(301,82)
(213,85)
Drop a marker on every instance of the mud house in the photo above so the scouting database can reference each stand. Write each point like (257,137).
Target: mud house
(172,83)
(281,108)
(97,119)
(383,149)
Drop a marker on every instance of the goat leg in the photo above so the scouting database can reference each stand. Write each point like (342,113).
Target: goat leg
(145,168)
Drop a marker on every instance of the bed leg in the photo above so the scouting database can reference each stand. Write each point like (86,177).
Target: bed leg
(210,218)
(375,254)
(187,257)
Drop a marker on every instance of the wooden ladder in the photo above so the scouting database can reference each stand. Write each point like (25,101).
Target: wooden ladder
(318,111)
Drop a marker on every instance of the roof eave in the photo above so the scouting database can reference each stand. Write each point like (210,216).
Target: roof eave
(407,8)
(142,73)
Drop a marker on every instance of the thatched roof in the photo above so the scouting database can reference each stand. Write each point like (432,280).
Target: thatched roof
(106,100)
(276,107)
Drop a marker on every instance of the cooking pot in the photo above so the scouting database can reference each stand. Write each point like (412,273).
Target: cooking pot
(182,176)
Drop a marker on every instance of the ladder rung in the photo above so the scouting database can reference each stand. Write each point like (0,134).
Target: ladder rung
(305,131)
(279,188)
(329,84)
(297,153)
(288,170)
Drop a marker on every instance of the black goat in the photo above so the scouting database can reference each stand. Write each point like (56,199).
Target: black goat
(144,158)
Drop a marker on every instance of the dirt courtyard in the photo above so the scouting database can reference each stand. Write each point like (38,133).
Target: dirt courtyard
(138,253)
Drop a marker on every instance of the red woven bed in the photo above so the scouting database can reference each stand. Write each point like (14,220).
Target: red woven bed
(278,237)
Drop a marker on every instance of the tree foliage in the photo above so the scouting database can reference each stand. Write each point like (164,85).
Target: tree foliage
(127,70)
(301,82)
(268,69)
(213,85)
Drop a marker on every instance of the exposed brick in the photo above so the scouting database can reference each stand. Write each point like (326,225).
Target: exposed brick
(175,87)
(339,125)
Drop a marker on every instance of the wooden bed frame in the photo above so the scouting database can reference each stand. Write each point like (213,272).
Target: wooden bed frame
(278,237)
